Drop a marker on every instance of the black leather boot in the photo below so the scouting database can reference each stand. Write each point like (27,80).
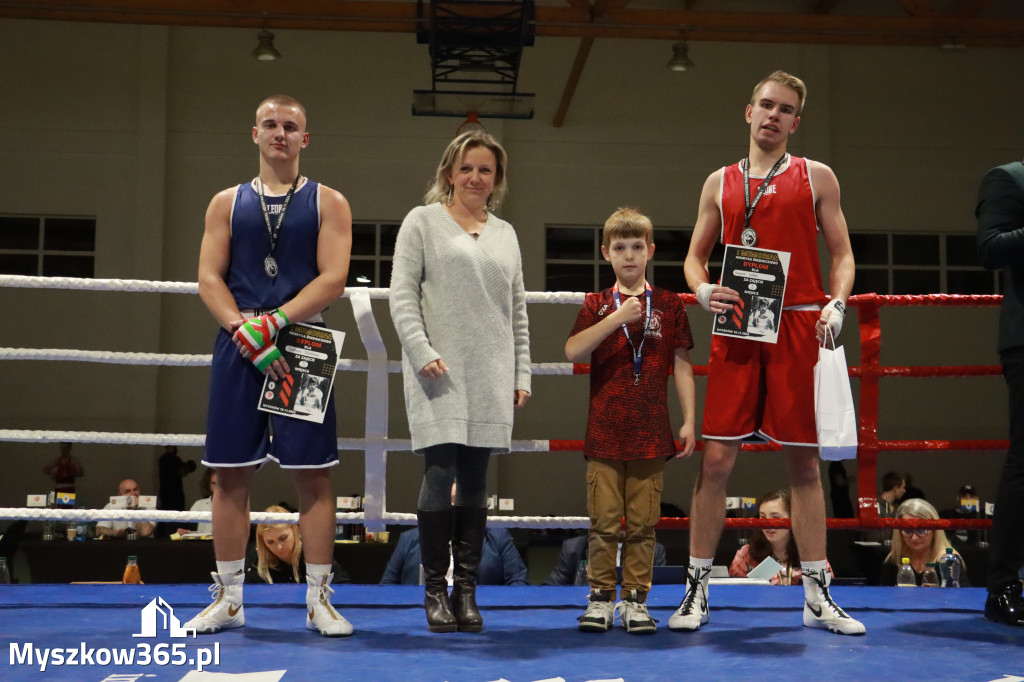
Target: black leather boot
(1005,606)
(435,534)
(467,546)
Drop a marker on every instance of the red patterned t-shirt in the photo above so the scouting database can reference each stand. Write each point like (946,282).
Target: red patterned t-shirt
(628,421)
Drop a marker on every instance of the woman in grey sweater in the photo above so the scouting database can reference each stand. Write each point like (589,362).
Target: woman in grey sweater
(459,306)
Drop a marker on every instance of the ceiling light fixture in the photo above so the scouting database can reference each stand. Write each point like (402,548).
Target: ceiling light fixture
(680,58)
(265,51)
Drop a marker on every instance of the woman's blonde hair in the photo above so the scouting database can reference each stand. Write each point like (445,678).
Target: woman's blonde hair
(916,508)
(442,185)
(269,560)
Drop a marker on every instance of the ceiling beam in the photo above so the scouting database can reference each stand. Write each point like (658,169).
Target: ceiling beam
(823,6)
(770,27)
(916,8)
(574,79)
(971,8)
(556,21)
(598,13)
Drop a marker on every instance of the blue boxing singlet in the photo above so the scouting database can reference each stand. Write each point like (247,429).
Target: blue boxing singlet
(295,253)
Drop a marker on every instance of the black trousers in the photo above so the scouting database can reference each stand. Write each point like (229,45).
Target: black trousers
(1006,550)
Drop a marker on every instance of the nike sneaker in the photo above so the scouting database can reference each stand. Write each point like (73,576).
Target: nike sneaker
(226,611)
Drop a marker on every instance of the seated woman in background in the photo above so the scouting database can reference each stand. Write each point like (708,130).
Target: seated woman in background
(777,543)
(277,555)
(920,546)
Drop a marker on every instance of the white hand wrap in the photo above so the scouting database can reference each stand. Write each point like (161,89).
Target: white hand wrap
(704,292)
(833,314)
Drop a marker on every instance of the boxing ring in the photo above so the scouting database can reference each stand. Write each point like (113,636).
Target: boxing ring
(530,632)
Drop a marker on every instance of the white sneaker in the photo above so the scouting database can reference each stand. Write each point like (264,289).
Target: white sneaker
(226,611)
(635,617)
(823,612)
(693,611)
(320,615)
(599,616)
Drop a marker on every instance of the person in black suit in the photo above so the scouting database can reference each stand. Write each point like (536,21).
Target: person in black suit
(574,550)
(1000,213)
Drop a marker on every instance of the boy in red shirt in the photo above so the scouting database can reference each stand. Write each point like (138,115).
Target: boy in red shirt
(635,335)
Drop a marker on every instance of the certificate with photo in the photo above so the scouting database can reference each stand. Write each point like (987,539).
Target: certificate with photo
(312,355)
(759,276)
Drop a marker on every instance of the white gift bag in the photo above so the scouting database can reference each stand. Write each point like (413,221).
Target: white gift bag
(833,405)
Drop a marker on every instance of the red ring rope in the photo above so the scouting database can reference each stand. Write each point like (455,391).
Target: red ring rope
(869,372)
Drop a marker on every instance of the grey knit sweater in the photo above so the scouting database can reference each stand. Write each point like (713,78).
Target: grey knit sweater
(460,299)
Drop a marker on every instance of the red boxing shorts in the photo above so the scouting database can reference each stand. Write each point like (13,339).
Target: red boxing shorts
(237,434)
(764,388)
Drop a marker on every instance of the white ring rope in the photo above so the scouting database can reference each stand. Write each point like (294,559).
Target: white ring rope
(156,287)
(204,360)
(375,445)
(156,515)
(198,440)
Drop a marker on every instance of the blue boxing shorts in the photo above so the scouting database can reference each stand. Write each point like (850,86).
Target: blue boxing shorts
(238,434)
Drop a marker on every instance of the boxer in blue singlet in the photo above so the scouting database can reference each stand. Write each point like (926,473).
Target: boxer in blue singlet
(275,250)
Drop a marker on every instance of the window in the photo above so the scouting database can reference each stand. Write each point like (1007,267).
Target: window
(899,263)
(887,263)
(373,246)
(52,246)
(574,262)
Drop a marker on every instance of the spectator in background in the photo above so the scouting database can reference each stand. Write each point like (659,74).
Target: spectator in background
(64,470)
(276,556)
(204,504)
(119,529)
(574,550)
(171,491)
(921,546)
(500,563)
(839,491)
(777,543)
(893,488)
(911,491)
(968,506)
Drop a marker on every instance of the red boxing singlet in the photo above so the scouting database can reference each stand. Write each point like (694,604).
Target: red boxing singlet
(784,220)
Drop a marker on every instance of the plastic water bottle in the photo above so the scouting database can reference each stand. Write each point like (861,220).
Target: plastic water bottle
(5,573)
(949,565)
(905,577)
(131,571)
(581,574)
(929,578)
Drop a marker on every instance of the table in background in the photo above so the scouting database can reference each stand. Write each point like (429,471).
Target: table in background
(166,561)
(871,557)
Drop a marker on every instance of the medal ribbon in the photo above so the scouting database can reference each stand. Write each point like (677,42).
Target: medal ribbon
(274,232)
(638,358)
(760,190)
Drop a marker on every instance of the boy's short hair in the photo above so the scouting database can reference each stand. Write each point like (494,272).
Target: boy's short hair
(627,223)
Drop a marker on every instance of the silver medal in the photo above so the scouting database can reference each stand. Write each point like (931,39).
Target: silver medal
(748,237)
(270,266)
